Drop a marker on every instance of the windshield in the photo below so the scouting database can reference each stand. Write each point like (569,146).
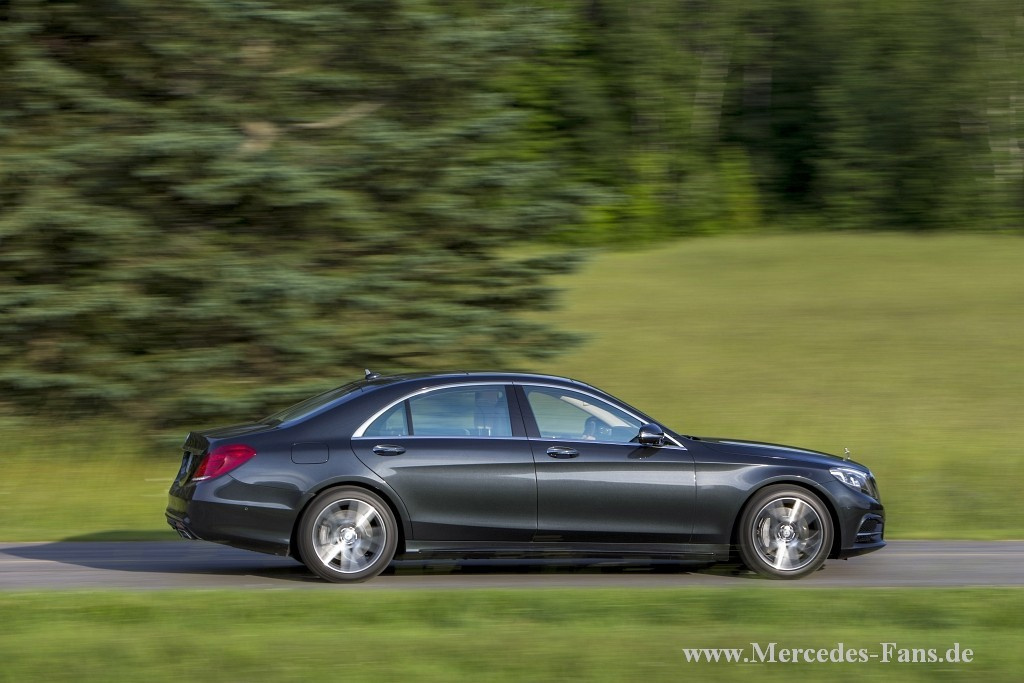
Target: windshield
(310,405)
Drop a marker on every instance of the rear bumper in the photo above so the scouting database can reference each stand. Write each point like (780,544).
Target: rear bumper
(182,528)
(261,520)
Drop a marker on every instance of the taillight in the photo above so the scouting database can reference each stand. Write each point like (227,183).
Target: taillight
(222,460)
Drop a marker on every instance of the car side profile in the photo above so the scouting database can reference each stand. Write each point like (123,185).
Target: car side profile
(463,465)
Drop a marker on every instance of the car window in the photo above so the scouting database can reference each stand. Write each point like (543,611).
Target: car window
(462,411)
(391,423)
(565,414)
(312,404)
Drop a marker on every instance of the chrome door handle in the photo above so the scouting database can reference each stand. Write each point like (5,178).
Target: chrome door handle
(562,452)
(388,449)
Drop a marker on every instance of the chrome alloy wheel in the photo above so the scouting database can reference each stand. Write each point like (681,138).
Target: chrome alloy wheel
(349,536)
(787,534)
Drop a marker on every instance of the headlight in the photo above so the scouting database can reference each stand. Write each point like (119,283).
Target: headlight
(855,479)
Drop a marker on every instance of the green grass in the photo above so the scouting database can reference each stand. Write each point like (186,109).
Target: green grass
(84,482)
(546,635)
(908,350)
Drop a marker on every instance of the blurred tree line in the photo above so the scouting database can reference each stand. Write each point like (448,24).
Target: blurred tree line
(211,206)
(707,116)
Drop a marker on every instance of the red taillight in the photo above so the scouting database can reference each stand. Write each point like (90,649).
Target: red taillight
(222,460)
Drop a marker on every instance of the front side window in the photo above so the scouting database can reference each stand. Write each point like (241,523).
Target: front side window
(572,416)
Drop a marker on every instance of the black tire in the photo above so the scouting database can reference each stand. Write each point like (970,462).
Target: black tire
(347,534)
(785,532)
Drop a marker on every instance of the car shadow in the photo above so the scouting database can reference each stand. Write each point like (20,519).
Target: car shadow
(209,559)
(559,565)
(172,556)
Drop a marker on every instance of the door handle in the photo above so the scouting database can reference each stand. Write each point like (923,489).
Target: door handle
(388,449)
(562,452)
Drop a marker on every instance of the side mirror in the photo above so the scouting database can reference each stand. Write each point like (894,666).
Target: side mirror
(651,435)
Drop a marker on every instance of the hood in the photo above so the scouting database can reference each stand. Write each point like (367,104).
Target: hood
(774,450)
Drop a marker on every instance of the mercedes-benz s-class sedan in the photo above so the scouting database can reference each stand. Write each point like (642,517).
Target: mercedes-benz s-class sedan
(473,464)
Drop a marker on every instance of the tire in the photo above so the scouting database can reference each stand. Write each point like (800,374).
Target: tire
(347,535)
(785,532)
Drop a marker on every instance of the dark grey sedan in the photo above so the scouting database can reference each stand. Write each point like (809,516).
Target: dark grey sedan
(474,464)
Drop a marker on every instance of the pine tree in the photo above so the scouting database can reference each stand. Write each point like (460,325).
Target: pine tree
(215,207)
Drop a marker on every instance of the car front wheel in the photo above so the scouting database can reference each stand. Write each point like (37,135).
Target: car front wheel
(785,533)
(347,534)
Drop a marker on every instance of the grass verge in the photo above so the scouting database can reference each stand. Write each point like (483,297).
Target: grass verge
(547,635)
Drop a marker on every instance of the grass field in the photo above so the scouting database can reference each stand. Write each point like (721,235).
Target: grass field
(548,635)
(907,350)
(82,483)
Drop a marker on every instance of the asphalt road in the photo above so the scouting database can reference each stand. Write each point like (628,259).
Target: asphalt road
(183,564)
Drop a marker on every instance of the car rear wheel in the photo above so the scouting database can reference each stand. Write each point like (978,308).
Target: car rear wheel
(347,534)
(785,533)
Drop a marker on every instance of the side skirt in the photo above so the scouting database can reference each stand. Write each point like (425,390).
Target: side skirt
(686,552)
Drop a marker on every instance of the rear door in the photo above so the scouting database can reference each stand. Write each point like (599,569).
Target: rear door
(594,483)
(459,459)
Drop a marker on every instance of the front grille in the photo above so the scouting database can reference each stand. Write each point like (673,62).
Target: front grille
(870,530)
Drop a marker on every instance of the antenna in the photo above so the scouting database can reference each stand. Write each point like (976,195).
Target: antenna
(372,375)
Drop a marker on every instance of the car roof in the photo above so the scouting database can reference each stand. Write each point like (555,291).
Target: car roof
(491,376)
(374,383)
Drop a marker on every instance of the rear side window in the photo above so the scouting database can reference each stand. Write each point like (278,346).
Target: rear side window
(462,411)
(391,423)
(459,411)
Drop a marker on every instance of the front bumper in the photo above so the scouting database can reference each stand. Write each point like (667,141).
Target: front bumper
(861,521)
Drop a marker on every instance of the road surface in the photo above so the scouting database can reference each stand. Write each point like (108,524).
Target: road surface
(195,564)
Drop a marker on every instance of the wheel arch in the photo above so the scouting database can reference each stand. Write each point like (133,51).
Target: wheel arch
(385,495)
(819,493)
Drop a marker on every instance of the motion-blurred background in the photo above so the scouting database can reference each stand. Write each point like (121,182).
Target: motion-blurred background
(789,220)
(797,221)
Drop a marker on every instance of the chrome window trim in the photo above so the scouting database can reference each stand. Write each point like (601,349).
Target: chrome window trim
(435,436)
(672,445)
(397,439)
(359,433)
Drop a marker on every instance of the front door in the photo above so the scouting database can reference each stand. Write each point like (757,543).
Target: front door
(595,484)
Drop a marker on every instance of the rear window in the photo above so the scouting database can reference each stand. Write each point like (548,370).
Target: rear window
(314,403)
